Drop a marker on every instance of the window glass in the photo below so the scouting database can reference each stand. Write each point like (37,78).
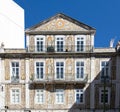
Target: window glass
(59,70)
(40,44)
(80,44)
(104,98)
(79,70)
(59,95)
(39,70)
(60,44)
(79,95)
(15,68)
(39,96)
(15,96)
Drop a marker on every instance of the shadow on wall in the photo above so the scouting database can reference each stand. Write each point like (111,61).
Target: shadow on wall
(104,90)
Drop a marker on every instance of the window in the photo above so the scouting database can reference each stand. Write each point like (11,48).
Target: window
(59,96)
(80,43)
(59,70)
(40,43)
(39,70)
(15,96)
(79,70)
(105,98)
(15,71)
(60,43)
(104,68)
(79,96)
(39,96)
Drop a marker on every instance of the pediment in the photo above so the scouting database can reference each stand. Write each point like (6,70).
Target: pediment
(60,22)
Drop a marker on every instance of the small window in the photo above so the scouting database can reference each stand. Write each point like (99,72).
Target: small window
(59,96)
(104,69)
(80,70)
(39,96)
(79,96)
(15,96)
(15,71)
(40,43)
(39,67)
(104,96)
(60,43)
(80,43)
(59,70)
(15,68)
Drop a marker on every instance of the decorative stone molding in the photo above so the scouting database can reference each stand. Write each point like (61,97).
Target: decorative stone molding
(22,69)
(7,69)
(59,24)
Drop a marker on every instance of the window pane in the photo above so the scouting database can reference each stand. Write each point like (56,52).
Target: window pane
(59,96)
(104,96)
(40,44)
(39,96)
(15,96)
(60,70)
(80,44)
(104,68)
(15,69)
(60,44)
(79,96)
(39,70)
(79,70)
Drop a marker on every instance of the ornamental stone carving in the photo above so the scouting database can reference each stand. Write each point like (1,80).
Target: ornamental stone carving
(49,67)
(31,68)
(22,69)
(7,69)
(70,43)
(50,40)
(59,24)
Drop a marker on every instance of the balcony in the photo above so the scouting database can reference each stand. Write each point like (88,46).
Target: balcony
(15,79)
(63,49)
(51,78)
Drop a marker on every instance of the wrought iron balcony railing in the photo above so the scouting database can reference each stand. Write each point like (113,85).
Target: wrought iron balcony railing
(14,79)
(62,48)
(67,78)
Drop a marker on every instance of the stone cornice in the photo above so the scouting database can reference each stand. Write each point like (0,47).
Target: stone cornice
(58,55)
(60,32)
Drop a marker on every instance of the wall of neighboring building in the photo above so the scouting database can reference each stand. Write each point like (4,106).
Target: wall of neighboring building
(11,24)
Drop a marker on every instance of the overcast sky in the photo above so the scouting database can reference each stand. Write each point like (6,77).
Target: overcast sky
(103,15)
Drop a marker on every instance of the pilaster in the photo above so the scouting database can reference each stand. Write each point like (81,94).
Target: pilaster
(2,85)
(92,88)
(27,84)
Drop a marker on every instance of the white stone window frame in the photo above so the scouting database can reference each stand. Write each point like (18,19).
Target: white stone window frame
(36,100)
(80,60)
(100,92)
(44,46)
(44,68)
(109,70)
(61,91)
(11,100)
(10,64)
(84,39)
(80,94)
(59,60)
(60,36)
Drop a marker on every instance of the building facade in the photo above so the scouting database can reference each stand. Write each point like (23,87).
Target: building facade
(60,71)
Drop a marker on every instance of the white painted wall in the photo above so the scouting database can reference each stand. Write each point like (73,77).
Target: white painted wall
(11,24)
